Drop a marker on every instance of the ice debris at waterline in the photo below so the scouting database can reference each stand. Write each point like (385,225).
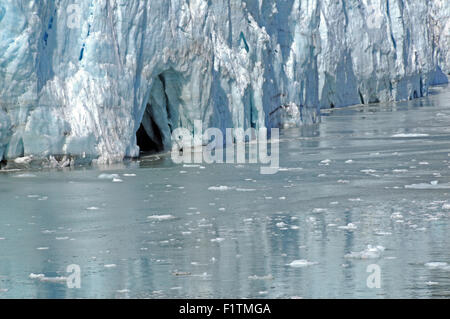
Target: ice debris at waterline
(107,78)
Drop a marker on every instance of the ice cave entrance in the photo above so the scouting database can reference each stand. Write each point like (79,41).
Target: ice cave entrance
(146,143)
(161,113)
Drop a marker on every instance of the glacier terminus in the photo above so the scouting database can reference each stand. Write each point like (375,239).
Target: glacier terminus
(85,79)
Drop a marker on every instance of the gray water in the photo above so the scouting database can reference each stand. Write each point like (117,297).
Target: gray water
(240,242)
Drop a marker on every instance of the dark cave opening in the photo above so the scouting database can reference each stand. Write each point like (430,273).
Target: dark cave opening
(147,144)
(161,114)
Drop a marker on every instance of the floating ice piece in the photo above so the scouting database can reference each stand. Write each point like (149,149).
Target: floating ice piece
(43,278)
(92,208)
(432,185)
(217,240)
(161,217)
(23,160)
(349,226)
(400,171)
(410,135)
(383,233)
(25,175)
(108,176)
(57,280)
(371,252)
(255,277)
(129,175)
(245,190)
(219,188)
(282,225)
(431,283)
(326,162)
(302,263)
(117,180)
(368,171)
(446,206)
(290,169)
(123,291)
(110,266)
(396,215)
(438,265)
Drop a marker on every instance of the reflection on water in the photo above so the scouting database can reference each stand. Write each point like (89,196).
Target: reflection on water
(170,231)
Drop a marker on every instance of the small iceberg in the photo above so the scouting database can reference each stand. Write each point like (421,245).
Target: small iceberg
(219,188)
(23,160)
(325,162)
(349,226)
(371,252)
(161,218)
(25,175)
(245,190)
(438,265)
(43,278)
(123,291)
(108,176)
(255,277)
(302,263)
(217,240)
(403,135)
(431,185)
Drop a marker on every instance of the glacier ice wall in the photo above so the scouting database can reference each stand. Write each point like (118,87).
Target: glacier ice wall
(81,77)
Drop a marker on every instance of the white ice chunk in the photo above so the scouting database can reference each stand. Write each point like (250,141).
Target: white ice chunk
(302,263)
(371,252)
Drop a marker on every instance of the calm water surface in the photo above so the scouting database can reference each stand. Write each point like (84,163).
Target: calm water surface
(375,175)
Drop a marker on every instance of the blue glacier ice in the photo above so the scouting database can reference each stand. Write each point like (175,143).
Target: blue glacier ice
(80,78)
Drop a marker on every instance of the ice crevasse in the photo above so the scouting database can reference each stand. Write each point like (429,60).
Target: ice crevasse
(81,78)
